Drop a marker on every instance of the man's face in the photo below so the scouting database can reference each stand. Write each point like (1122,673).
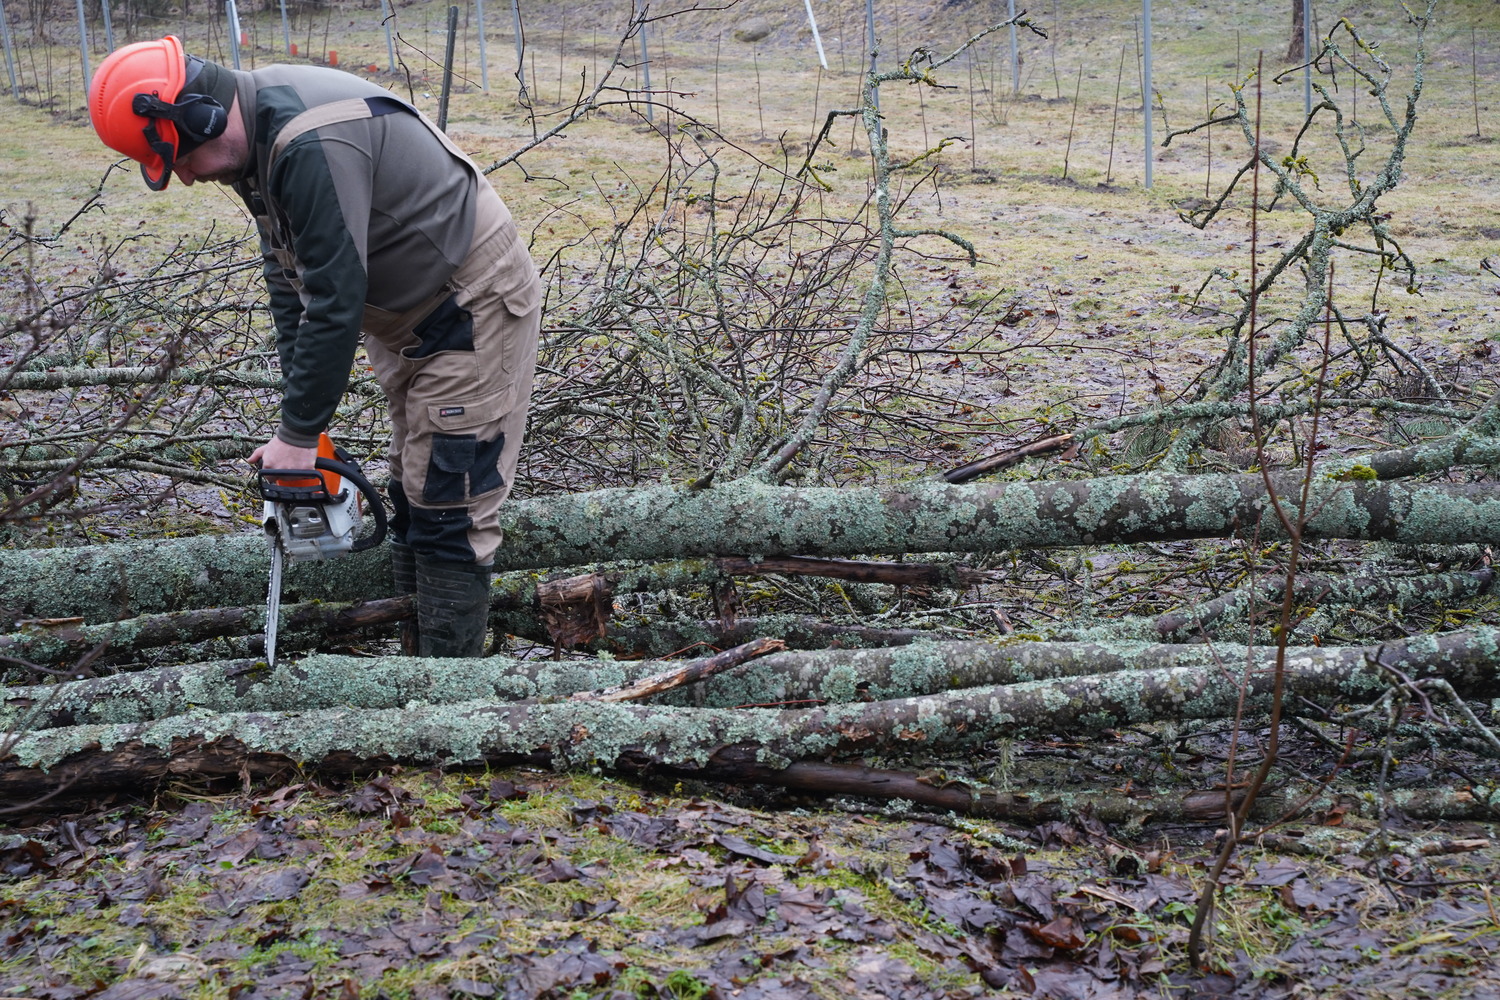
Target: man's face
(216,161)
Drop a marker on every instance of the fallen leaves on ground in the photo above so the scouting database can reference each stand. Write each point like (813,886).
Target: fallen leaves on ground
(431,886)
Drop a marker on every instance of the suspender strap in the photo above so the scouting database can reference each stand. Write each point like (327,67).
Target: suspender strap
(333,113)
(354,109)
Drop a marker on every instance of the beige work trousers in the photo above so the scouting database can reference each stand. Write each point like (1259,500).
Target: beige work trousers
(457,372)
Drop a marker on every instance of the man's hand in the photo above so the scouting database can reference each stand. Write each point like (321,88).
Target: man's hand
(277,454)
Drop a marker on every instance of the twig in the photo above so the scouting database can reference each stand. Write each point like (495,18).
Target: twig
(696,670)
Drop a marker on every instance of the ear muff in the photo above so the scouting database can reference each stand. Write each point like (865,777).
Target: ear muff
(203,118)
(197,117)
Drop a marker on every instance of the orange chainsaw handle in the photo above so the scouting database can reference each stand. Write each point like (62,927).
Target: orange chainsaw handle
(326,450)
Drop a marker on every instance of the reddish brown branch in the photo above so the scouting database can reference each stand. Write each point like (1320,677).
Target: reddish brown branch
(695,670)
(1005,459)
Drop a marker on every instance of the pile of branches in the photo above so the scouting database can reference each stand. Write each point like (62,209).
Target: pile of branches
(706,332)
(1288,582)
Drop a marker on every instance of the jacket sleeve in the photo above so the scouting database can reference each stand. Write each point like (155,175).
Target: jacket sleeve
(328,240)
(285,303)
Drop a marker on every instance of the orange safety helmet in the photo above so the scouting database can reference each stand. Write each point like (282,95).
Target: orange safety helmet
(137,105)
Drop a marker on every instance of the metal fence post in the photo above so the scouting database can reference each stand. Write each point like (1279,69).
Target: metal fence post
(646,71)
(232,14)
(484,62)
(83,47)
(1147,87)
(386,15)
(109,28)
(1307,52)
(10,56)
(286,30)
(817,38)
(442,122)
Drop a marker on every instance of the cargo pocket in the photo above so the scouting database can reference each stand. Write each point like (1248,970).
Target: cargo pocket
(517,281)
(448,468)
(449,327)
(467,441)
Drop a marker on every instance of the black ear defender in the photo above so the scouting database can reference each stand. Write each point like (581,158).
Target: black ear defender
(198,119)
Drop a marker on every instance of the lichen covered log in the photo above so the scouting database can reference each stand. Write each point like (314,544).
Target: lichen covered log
(573,734)
(751,518)
(1071,674)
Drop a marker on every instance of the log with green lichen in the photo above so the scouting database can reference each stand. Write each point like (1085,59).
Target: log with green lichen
(1361,591)
(328,681)
(1468,658)
(750,518)
(638,636)
(412,729)
(60,642)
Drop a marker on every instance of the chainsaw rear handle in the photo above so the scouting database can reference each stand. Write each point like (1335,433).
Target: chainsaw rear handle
(277,492)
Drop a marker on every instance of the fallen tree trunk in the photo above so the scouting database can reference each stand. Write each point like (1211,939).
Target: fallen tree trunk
(674,635)
(588,734)
(139,763)
(1031,671)
(749,517)
(327,681)
(1113,806)
(1361,591)
(111,582)
(106,583)
(56,642)
(913,574)
(514,600)
(201,760)
(78,378)
(219,378)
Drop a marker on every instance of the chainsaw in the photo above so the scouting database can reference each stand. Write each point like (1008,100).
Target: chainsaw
(314,517)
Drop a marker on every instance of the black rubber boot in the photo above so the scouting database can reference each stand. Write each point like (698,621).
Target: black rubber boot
(404,575)
(453,607)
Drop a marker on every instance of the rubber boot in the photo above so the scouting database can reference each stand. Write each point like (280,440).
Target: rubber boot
(404,575)
(453,607)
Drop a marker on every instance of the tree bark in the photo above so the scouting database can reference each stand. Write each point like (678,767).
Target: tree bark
(57,642)
(587,734)
(1369,592)
(111,582)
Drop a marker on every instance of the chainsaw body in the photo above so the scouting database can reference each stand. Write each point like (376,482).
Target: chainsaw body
(313,515)
(311,523)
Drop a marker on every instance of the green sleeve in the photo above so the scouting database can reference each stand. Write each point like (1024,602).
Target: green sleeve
(285,303)
(318,354)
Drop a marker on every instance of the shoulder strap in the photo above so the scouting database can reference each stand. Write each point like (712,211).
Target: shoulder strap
(356,108)
(353,109)
(349,110)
